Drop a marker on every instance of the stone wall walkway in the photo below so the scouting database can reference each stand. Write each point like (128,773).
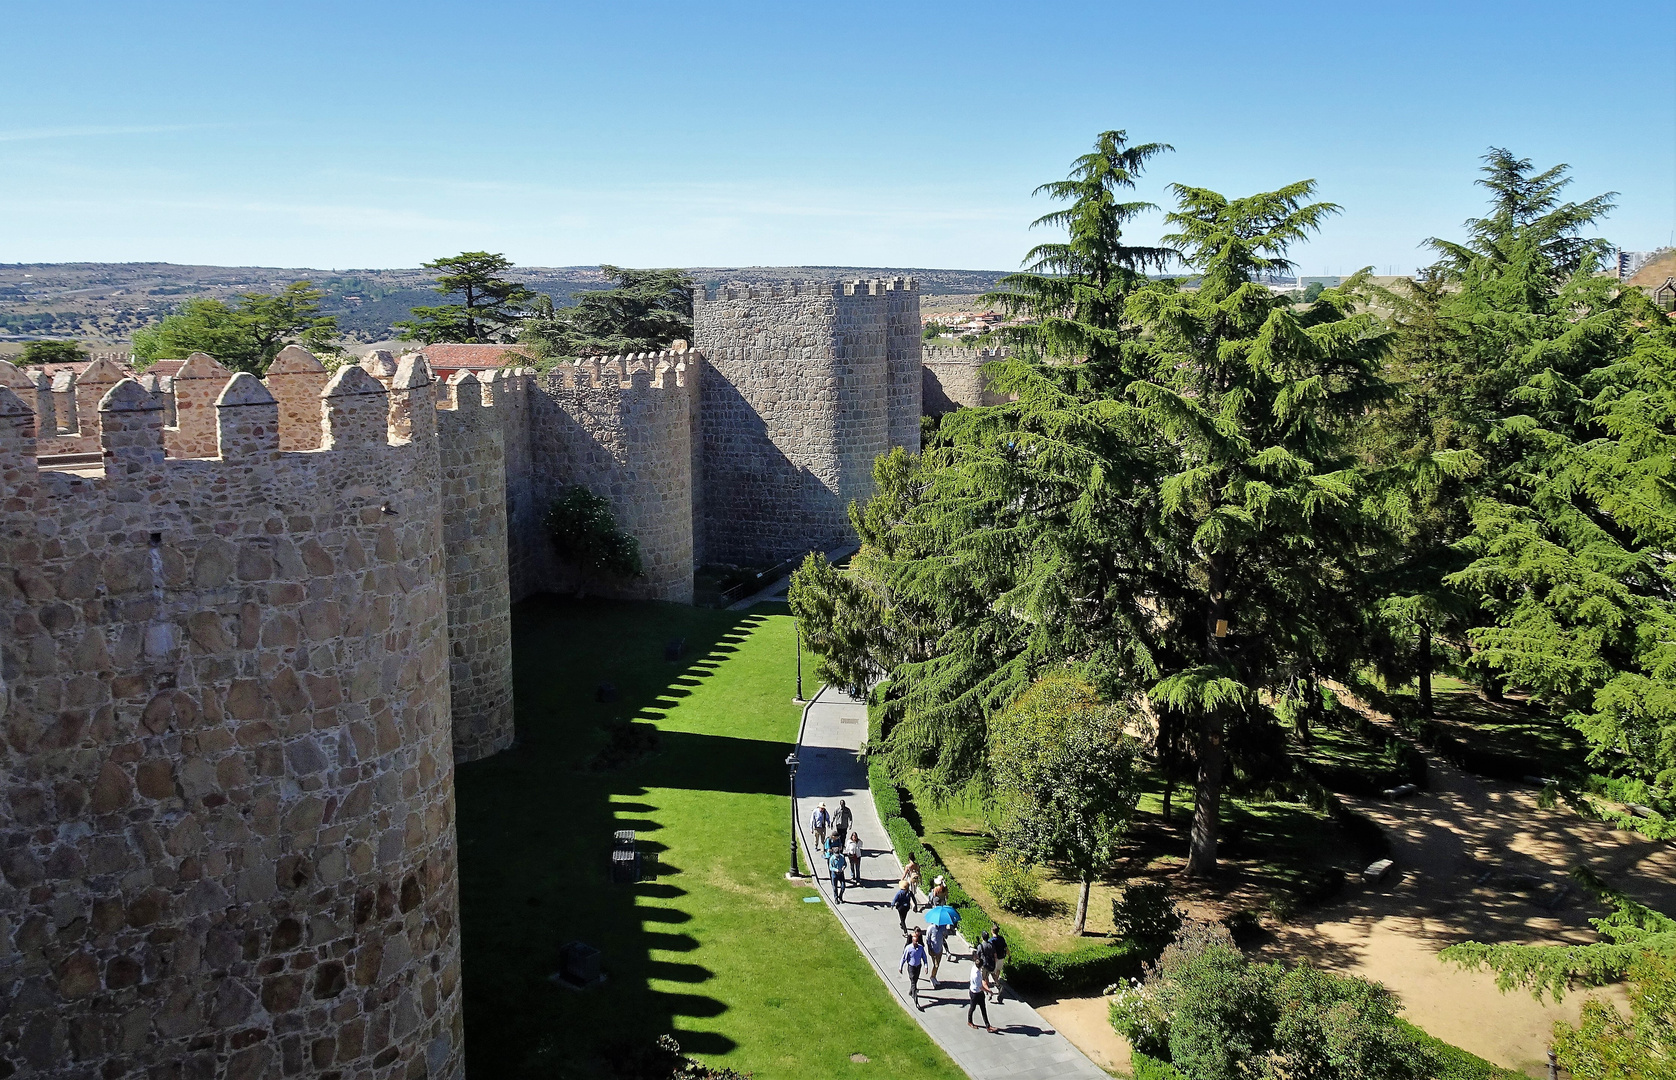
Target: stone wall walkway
(1026,1048)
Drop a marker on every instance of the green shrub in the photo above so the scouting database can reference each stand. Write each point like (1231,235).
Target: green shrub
(1450,1062)
(1145,914)
(1016,886)
(1145,1067)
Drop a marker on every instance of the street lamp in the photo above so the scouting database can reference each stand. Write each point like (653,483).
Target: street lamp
(791,779)
(797,633)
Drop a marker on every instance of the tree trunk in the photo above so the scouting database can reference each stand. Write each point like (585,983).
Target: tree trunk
(1426,671)
(1082,907)
(1201,853)
(1207,800)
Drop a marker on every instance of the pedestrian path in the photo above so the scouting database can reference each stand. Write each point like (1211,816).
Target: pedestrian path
(1026,1048)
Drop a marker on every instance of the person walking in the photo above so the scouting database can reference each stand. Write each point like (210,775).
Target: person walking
(836,862)
(842,819)
(901,901)
(984,956)
(818,822)
(939,894)
(998,950)
(975,1000)
(934,948)
(913,958)
(910,881)
(852,851)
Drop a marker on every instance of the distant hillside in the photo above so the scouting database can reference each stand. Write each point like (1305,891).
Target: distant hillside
(102,304)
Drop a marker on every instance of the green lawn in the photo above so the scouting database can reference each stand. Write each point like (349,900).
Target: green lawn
(720,950)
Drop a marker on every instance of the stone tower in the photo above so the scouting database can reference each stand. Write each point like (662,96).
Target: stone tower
(804,386)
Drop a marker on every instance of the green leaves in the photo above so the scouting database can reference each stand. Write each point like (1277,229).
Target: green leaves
(490,306)
(644,311)
(245,337)
(583,531)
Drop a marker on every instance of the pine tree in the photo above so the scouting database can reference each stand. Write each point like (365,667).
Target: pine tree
(1261,501)
(490,308)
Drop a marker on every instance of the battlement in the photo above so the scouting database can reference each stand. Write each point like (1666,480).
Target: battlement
(956,354)
(668,370)
(232,418)
(804,289)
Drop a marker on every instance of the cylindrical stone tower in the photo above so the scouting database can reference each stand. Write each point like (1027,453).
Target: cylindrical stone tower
(473,481)
(226,787)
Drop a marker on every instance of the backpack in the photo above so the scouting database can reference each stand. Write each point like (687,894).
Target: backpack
(901,900)
(986,955)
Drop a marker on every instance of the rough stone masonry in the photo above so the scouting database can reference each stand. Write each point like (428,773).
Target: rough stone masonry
(248,627)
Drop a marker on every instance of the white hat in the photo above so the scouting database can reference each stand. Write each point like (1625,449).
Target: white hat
(937,880)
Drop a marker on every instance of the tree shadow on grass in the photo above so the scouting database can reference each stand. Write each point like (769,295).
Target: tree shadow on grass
(536,831)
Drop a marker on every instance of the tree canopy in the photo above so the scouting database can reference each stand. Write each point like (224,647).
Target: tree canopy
(243,337)
(51,352)
(644,311)
(490,309)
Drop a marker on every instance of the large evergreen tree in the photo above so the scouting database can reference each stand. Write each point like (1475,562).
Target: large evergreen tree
(245,336)
(490,305)
(644,311)
(1260,503)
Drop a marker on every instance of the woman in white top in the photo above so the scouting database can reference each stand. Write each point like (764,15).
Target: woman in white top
(975,999)
(853,850)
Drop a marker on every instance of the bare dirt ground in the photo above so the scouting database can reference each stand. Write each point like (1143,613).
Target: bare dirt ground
(1475,860)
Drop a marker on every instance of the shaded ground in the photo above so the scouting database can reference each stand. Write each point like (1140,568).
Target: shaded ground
(1475,859)
(1272,852)
(719,949)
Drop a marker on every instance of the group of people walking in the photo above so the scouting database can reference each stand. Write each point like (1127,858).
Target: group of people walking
(836,837)
(925,947)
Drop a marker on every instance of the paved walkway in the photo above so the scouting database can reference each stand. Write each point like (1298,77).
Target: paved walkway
(1026,1048)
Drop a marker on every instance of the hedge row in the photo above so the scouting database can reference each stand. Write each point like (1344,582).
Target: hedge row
(1090,967)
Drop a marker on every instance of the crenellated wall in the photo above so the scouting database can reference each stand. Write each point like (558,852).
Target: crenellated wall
(226,801)
(954,378)
(620,426)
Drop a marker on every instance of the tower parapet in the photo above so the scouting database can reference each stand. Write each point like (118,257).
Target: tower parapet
(954,378)
(797,404)
(226,787)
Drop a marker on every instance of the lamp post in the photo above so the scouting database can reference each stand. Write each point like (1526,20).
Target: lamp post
(797,632)
(791,779)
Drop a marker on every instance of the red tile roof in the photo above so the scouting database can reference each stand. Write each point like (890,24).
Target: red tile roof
(449,358)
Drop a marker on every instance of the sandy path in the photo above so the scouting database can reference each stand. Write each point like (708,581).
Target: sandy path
(1475,860)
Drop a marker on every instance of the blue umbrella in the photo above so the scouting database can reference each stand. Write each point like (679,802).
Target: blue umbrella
(942,916)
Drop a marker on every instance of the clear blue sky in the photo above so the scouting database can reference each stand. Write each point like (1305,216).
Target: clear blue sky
(378,134)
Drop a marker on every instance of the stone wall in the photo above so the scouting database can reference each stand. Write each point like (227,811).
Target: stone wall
(472,449)
(226,784)
(620,426)
(795,407)
(902,351)
(953,378)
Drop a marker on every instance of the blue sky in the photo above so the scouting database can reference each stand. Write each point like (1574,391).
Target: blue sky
(371,135)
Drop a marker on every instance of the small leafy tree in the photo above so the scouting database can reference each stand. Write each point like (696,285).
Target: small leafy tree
(1066,779)
(645,311)
(585,533)
(51,352)
(244,337)
(1606,1045)
(490,308)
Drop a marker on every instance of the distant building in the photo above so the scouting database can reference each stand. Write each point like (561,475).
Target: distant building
(446,359)
(1631,261)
